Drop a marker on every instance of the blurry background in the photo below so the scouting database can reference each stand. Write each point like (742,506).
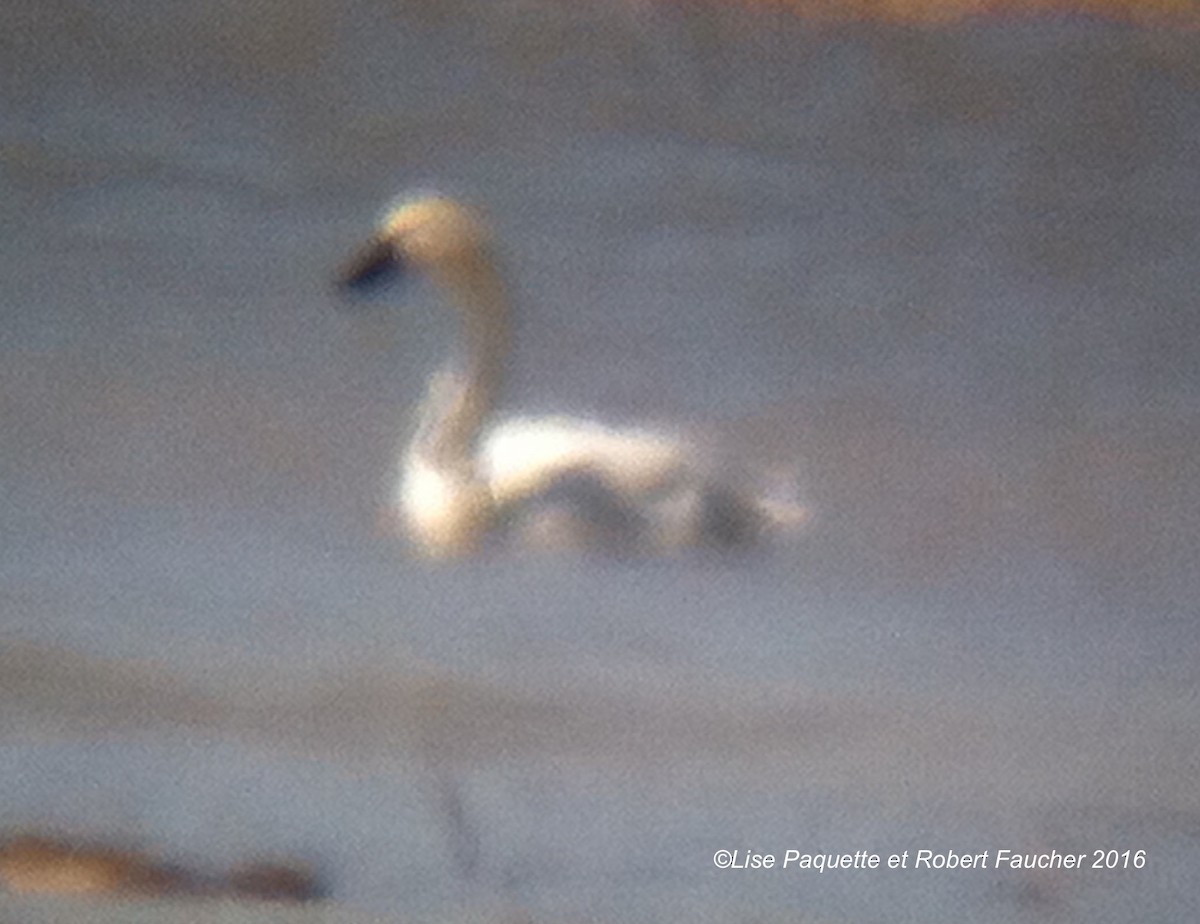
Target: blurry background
(949,270)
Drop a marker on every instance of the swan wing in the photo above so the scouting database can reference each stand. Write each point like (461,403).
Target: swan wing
(521,457)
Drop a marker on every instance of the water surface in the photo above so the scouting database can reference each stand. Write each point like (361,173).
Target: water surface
(950,273)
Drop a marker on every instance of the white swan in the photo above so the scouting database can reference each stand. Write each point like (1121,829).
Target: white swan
(552,481)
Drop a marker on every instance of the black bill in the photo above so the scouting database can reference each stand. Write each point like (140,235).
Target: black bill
(375,264)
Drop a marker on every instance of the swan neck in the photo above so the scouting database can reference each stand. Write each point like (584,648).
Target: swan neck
(464,393)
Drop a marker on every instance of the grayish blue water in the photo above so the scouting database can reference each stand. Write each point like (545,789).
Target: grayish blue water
(951,273)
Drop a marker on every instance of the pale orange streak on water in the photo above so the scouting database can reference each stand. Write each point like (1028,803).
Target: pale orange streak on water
(1182,13)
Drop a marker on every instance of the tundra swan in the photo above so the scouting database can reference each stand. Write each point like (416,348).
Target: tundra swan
(551,481)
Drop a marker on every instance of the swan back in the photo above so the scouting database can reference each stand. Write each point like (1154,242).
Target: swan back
(520,455)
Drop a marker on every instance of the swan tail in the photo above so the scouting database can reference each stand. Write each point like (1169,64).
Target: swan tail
(779,502)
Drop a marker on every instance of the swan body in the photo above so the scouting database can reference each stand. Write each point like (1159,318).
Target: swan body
(550,482)
(518,456)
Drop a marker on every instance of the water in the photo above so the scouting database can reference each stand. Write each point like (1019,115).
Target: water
(951,273)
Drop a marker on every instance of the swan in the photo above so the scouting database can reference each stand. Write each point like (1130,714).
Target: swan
(547,482)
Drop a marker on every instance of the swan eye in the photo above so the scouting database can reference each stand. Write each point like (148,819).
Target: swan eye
(374,265)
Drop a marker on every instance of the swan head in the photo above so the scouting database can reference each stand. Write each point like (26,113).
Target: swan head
(427,232)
